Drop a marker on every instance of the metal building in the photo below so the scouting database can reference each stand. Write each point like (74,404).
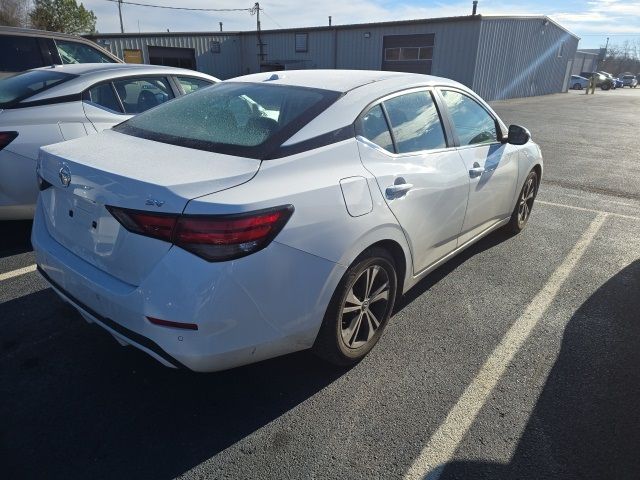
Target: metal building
(497,56)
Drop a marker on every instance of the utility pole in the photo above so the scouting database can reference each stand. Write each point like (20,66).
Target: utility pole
(120,13)
(256,10)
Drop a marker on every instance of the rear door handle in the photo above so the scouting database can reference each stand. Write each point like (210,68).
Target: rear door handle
(476,170)
(396,191)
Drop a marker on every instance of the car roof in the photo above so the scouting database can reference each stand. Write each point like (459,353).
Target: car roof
(91,73)
(339,80)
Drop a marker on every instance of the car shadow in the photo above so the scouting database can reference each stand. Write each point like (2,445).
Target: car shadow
(15,237)
(586,422)
(76,405)
(493,239)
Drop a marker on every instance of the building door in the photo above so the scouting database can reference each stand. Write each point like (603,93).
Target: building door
(408,53)
(173,57)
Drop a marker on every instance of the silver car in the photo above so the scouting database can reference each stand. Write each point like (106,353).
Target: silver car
(629,81)
(52,104)
(578,83)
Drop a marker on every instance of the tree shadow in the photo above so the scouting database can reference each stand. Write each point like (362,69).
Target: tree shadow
(586,423)
(15,237)
(74,404)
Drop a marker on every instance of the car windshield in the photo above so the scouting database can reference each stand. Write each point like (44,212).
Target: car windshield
(24,85)
(243,119)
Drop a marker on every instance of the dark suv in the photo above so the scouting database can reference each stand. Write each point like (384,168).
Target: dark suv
(23,49)
(602,81)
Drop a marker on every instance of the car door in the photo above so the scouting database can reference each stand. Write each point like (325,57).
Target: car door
(492,166)
(402,143)
(109,103)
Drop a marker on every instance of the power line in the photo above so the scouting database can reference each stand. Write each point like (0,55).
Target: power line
(272,19)
(183,8)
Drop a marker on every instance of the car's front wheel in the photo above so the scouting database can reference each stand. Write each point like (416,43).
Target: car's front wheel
(577,86)
(523,207)
(359,309)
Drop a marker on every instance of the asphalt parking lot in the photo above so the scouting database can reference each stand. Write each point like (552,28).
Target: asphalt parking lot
(518,359)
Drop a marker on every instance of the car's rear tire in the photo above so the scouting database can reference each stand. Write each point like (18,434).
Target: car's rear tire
(605,86)
(524,205)
(577,86)
(359,309)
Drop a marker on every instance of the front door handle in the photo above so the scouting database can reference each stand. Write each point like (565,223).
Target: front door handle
(476,170)
(399,190)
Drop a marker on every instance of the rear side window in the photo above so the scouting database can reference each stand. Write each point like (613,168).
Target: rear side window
(374,128)
(141,94)
(75,52)
(24,85)
(472,123)
(19,53)
(104,96)
(191,84)
(415,122)
(243,119)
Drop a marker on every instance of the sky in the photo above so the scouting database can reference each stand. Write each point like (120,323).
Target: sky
(593,21)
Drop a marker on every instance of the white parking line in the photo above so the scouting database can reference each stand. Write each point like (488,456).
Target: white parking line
(444,442)
(17,273)
(583,209)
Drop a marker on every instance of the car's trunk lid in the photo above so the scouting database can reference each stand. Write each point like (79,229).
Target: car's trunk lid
(113,169)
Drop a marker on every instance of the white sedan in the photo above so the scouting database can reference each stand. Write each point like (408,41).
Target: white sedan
(211,239)
(53,104)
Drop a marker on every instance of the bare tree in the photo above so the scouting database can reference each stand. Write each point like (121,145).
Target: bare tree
(14,13)
(623,58)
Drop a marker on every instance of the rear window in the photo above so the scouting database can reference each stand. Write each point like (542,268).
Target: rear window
(24,85)
(243,119)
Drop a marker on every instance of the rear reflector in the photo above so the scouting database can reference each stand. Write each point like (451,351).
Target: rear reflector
(213,237)
(6,138)
(168,323)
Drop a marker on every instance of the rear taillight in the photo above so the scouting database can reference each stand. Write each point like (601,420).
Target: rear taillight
(6,138)
(213,237)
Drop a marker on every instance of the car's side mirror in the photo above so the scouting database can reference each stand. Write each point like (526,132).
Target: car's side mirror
(518,135)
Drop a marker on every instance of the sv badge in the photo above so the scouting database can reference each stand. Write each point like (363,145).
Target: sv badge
(153,201)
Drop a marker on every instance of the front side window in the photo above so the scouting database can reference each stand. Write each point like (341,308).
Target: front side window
(19,53)
(75,52)
(140,94)
(415,122)
(24,85)
(191,84)
(374,128)
(244,119)
(472,123)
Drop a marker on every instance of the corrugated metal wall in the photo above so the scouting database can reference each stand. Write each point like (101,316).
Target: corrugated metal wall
(361,47)
(498,57)
(519,57)
(226,64)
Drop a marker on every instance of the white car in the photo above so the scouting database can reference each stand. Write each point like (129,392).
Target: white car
(49,105)
(210,239)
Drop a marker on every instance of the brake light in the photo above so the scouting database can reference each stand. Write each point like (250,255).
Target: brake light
(6,138)
(212,237)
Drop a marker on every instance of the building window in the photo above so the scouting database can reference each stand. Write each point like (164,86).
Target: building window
(215,47)
(302,42)
(561,50)
(408,54)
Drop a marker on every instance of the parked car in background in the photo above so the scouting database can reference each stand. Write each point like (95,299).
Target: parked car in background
(602,81)
(578,83)
(611,78)
(53,104)
(211,241)
(23,49)
(629,81)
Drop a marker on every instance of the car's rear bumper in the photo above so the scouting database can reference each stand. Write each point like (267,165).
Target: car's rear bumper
(18,186)
(257,307)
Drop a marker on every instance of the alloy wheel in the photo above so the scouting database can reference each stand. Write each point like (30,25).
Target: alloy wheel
(525,203)
(365,306)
